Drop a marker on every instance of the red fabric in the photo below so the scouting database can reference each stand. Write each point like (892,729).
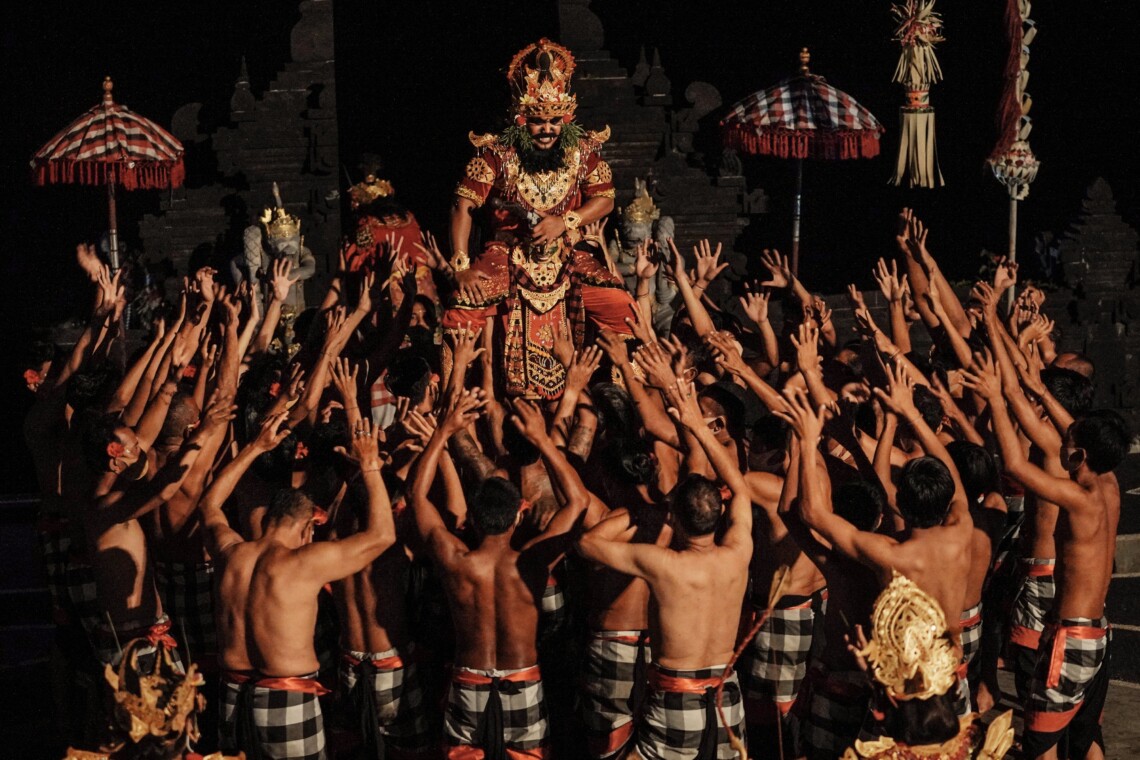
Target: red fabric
(662,682)
(159,634)
(299,684)
(468,678)
(1009,105)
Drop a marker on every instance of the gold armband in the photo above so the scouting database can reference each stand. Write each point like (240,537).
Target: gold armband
(460,262)
(572,219)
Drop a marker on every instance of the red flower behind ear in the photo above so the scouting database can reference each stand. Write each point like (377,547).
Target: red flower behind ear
(190,371)
(32,377)
(116,449)
(320,516)
(301,452)
(275,390)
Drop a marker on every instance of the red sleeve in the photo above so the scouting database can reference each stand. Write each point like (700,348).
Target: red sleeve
(599,178)
(478,177)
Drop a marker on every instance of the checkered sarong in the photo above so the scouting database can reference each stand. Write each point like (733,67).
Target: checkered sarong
(1034,602)
(487,709)
(612,689)
(187,592)
(109,644)
(777,658)
(553,600)
(680,719)
(82,593)
(282,715)
(387,686)
(971,622)
(1070,656)
(836,704)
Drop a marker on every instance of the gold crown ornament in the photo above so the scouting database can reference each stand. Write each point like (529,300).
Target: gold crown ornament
(280,224)
(642,209)
(910,653)
(369,190)
(539,76)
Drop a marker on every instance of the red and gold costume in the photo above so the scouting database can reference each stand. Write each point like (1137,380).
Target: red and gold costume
(532,296)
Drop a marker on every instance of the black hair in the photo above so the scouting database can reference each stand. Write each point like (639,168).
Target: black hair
(928,405)
(98,433)
(183,413)
(429,309)
(1105,437)
(1072,390)
(624,453)
(495,506)
(976,468)
(89,388)
(1078,363)
(288,504)
(733,405)
(697,505)
(865,419)
(517,445)
(409,375)
(925,490)
(860,502)
(917,722)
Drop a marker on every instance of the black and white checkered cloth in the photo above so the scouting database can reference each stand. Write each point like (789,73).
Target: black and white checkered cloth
(777,659)
(284,723)
(397,696)
(835,704)
(187,592)
(1069,658)
(491,708)
(680,720)
(612,689)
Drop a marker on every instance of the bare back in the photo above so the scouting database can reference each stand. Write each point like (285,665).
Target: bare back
(281,614)
(1086,550)
(233,583)
(938,560)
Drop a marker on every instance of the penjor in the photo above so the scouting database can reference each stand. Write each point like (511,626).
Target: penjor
(919,30)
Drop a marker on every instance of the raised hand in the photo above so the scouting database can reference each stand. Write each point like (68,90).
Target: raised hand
(1005,275)
(463,412)
(899,397)
(364,299)
(463,344)
(614,346)
(754,304)
(220,409)
(271,434)
(902,234)
(806,342)
(916,240)
(986,297)
(708,263)
(778,267)
(207,287)
(864,323)
(806,421)
(655,362)
(821,311)
(419,426)
(681,398)
(365,446)
(281,282)
(88,260)
(596,230)
(889,282)
(430,249)
(641,328)
(645,267)
(582,368)
(984,378)
(528,418)
(678,353)
(344,379)
(726,353)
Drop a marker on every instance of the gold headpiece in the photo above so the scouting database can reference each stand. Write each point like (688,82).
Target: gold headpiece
(280,224)
(909,652)
(369,190)
(540,80)
(641,210)
(160,706)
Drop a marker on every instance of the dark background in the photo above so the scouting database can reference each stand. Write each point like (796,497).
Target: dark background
(414,77)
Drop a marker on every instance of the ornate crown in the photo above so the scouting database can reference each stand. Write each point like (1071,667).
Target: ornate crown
(280,224)
(540,80)
(641,210)
(909,652)
(369,190)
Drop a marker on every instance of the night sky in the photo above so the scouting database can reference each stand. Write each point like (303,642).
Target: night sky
(414,77)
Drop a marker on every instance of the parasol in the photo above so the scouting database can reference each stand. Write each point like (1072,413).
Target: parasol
(1013,163)
(802,117)
(111,145)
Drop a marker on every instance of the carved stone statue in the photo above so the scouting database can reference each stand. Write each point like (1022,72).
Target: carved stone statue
(278,235)
(641,220)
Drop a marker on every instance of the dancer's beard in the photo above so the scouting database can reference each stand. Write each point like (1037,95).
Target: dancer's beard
(537,160)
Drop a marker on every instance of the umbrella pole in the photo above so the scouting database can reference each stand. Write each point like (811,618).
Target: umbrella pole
(796,217)
(1012,254)
(113,231)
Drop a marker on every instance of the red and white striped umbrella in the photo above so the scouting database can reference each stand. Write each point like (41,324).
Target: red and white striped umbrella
(803,117)
(113,146)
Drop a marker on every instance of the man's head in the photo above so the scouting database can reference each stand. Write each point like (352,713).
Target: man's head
(1072,389)
(925,490)
(697,505)
(180,420)
(860,503)
(1076,362)
(290,508)
(976,468)
(929,406)
(494,509)
(544,131)
(110,446)
(1098,440)
(409,376)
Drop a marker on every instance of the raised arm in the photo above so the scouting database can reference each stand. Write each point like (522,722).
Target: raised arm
(699,315)
(893,288)
(652,414)
(755,307)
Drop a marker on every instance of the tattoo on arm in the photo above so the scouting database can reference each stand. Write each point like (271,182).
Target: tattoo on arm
(467,453)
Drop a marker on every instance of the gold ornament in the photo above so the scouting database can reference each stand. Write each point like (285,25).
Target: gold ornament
(460,262)
(910,653)
(479,170)
(572,219)
(280,224)
(540,78)
(642,209)
(543,191)
(543,271)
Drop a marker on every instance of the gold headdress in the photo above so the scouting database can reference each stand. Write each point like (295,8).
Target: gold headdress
(540,81)
(641,210)
(363,193)
(909,652)
(280,224)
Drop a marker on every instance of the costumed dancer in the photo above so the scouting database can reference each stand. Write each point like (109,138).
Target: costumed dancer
(536,183)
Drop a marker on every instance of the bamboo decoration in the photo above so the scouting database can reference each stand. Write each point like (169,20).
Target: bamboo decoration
(919,30)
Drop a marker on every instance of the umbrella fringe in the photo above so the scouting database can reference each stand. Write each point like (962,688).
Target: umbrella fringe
(787,143)
(140,176)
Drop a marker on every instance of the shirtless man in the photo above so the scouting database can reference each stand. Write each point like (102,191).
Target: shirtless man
(1069,684)
(378,671)
(934,548)
(130,485)
(698,586)
(267,600)
(495,706)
